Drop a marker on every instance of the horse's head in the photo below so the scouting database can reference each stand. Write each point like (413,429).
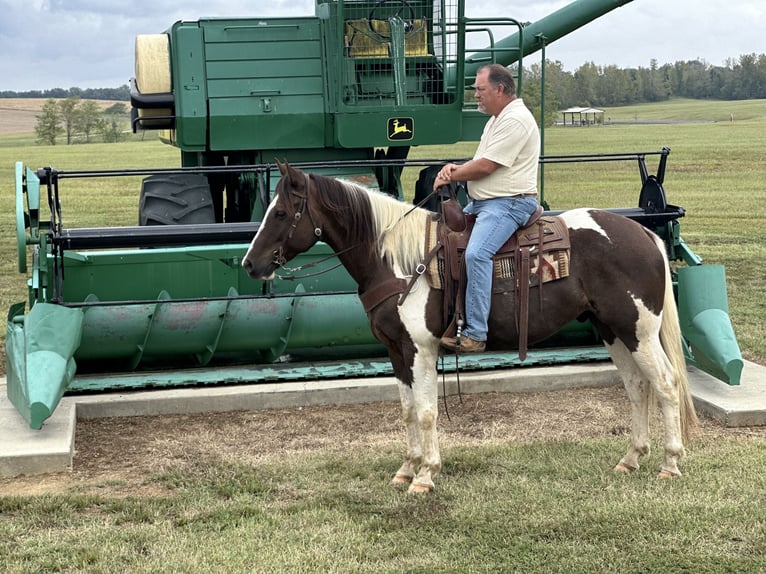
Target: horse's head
(287,228)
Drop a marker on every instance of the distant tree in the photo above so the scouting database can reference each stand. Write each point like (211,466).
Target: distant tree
(48,125)
(113,122)
(586,79)
(567,86)
(87,118)
(118,109)
(614,87)
(532,95)
(69,115)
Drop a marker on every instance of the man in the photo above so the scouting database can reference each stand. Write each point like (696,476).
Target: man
(502,185)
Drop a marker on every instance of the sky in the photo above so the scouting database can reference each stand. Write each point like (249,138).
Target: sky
(48,44)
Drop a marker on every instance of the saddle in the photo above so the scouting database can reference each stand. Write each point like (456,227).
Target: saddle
(536,254)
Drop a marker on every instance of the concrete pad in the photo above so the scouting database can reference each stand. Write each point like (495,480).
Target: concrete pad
(51,449)
(27,451)
(334,391)
(734,406)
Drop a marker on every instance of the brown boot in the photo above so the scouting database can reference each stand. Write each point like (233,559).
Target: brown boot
(467,345)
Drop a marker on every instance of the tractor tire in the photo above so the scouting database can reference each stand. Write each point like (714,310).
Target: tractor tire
(153,75)
(178,199)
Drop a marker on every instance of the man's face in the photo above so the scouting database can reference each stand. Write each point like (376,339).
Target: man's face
(486,94)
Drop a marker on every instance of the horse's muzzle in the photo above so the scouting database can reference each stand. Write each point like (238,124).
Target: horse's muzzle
(258,274)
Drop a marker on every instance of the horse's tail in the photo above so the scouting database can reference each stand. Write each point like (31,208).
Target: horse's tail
(670,337)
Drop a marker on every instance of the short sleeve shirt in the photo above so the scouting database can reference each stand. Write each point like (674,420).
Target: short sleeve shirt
(512,140)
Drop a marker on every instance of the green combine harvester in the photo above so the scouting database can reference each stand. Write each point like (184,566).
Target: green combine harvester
(347,92)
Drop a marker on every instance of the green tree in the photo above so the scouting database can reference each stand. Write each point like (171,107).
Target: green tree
(586,79)
(87,120)
(561,83)
(113,122)
(48,125)
(69,115)
(531,93)
(614,87)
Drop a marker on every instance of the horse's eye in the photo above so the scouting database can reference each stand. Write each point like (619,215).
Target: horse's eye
(280,214)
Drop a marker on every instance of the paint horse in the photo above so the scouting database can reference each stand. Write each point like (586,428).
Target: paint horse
(619,279)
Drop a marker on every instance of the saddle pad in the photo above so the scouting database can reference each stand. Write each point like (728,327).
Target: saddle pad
(555,264)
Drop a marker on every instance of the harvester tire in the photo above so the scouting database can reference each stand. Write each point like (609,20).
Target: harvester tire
(177,199)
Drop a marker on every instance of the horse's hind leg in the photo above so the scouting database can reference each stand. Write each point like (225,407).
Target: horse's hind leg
(638,395)
(414,455)
(656,367)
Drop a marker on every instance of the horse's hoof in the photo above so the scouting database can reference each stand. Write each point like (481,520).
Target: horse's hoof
(623,468)
(419,489)
(666,474)
(401,480)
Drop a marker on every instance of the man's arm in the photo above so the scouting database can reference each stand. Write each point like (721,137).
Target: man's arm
(469,171)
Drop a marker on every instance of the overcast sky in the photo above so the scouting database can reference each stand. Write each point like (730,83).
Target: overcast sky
(89,43)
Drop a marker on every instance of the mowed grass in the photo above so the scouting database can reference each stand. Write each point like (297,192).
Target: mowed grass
(535,508)
(500,507)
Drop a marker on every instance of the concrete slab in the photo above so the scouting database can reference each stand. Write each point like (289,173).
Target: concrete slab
(27,452)
(734,406)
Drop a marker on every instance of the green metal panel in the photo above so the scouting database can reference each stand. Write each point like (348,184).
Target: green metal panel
(39,351)
(189,87)
(430,126)
(367,365)
(265,83)
(274,121)
(184,272)
(703,311)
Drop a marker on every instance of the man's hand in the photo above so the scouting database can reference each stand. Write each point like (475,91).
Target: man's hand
(445,175)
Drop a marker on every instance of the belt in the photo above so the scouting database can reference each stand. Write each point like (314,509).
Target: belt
(515,196)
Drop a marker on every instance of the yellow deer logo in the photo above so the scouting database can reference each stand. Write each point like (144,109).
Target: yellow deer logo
(400,128)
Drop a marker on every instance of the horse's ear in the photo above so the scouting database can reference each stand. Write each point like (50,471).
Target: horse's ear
(283,167)
(294,176)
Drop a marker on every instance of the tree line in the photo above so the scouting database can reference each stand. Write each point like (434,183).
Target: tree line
(601,86)
(120,94)
(82,119)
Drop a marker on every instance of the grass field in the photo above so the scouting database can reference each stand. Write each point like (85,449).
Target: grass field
(502,505)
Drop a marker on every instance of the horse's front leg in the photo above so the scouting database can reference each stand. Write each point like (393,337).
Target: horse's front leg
(425,394)
(414,455)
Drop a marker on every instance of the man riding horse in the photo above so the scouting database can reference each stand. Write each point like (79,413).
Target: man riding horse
(502,185)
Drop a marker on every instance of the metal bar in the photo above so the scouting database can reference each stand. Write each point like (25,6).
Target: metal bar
(155,236)
(48,172)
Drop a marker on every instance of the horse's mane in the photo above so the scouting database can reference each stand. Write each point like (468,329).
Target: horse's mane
(398,234)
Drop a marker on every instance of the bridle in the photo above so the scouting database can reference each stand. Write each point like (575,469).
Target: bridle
(279,257)
(304,207)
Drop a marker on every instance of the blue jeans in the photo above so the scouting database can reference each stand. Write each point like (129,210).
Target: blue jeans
(496,220)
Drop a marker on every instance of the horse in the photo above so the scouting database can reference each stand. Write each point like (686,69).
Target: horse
(619,279)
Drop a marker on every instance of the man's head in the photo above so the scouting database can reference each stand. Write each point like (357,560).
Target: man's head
(494,88)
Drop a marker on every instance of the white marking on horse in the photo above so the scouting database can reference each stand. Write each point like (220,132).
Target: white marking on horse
(260,227)
(419,400)
(257,233)
(581,218)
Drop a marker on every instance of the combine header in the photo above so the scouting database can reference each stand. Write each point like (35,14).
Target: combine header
(346,93)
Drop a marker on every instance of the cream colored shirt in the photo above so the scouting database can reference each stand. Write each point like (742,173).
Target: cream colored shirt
(512,140)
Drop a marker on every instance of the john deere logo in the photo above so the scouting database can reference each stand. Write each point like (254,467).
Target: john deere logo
(400,129)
